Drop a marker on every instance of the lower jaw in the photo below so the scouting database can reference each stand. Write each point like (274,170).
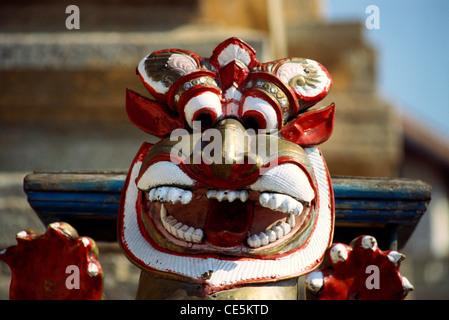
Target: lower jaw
(155,287)
(223,243)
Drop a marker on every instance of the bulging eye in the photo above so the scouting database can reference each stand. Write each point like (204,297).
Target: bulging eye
(204,108)
(257,114)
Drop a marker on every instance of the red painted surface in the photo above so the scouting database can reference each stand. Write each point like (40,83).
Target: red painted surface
(150,116)
(311,128)
(353,278)
(39,266)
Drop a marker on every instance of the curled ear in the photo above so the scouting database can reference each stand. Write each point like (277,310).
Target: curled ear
(312,127)
(161,69)
(151,116)
(309,80)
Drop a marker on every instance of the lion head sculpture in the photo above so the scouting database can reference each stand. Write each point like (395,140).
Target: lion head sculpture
(236,191)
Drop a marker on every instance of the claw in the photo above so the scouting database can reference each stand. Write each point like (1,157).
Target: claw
(338,253)
(369,242)
(26,235)
(94,268)
(395,257)
(49,258)
(314,281)
(407,285)
(366,242)
(344,274)
(63,229)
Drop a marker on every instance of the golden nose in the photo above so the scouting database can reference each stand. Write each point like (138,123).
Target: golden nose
(234,142)
(227,160)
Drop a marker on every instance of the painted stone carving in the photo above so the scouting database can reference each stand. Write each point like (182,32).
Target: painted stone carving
(56,265)
(236,191)
(359,271)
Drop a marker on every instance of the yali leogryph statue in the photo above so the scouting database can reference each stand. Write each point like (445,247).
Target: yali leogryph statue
(206,207)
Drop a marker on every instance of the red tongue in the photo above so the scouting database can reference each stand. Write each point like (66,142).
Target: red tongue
(228,223)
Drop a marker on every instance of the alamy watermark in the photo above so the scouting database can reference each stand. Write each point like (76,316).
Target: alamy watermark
(373,280)
(373,20)
(73,280)
(73,20)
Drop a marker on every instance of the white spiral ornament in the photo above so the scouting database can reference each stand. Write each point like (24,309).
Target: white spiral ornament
(306,76)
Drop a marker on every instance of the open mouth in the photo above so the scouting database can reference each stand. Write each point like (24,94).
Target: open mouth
(265,215)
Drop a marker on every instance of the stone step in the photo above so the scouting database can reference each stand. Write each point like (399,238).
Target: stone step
(115,15)
(82,76)
(106,50)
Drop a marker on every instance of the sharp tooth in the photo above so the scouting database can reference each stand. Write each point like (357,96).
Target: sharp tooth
(169,220)
(244,195)
(274,233)
(161,194)
(285,227)
(278,230)
(188,234)
(197,235)
(177,195)
(229,195)
(174,195)
(170,194)
(220,195)
(151,196)
(293,206)
(248,242)
(271,235)
(285,205)
(291,220)
(280,202)
(174,229)
(181,231)
(211,194)
(163,212)
(267,200)
(186,197)
(274,201)
(232,195)
(254,241)
(169,223)
(263,238)
(297,210)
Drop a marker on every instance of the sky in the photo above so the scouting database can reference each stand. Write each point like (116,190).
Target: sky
(413,54)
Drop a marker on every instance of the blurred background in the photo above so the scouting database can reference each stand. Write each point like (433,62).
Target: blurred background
(62,97)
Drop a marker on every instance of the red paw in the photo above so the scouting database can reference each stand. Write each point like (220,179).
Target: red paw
(360,271)
(56,265)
